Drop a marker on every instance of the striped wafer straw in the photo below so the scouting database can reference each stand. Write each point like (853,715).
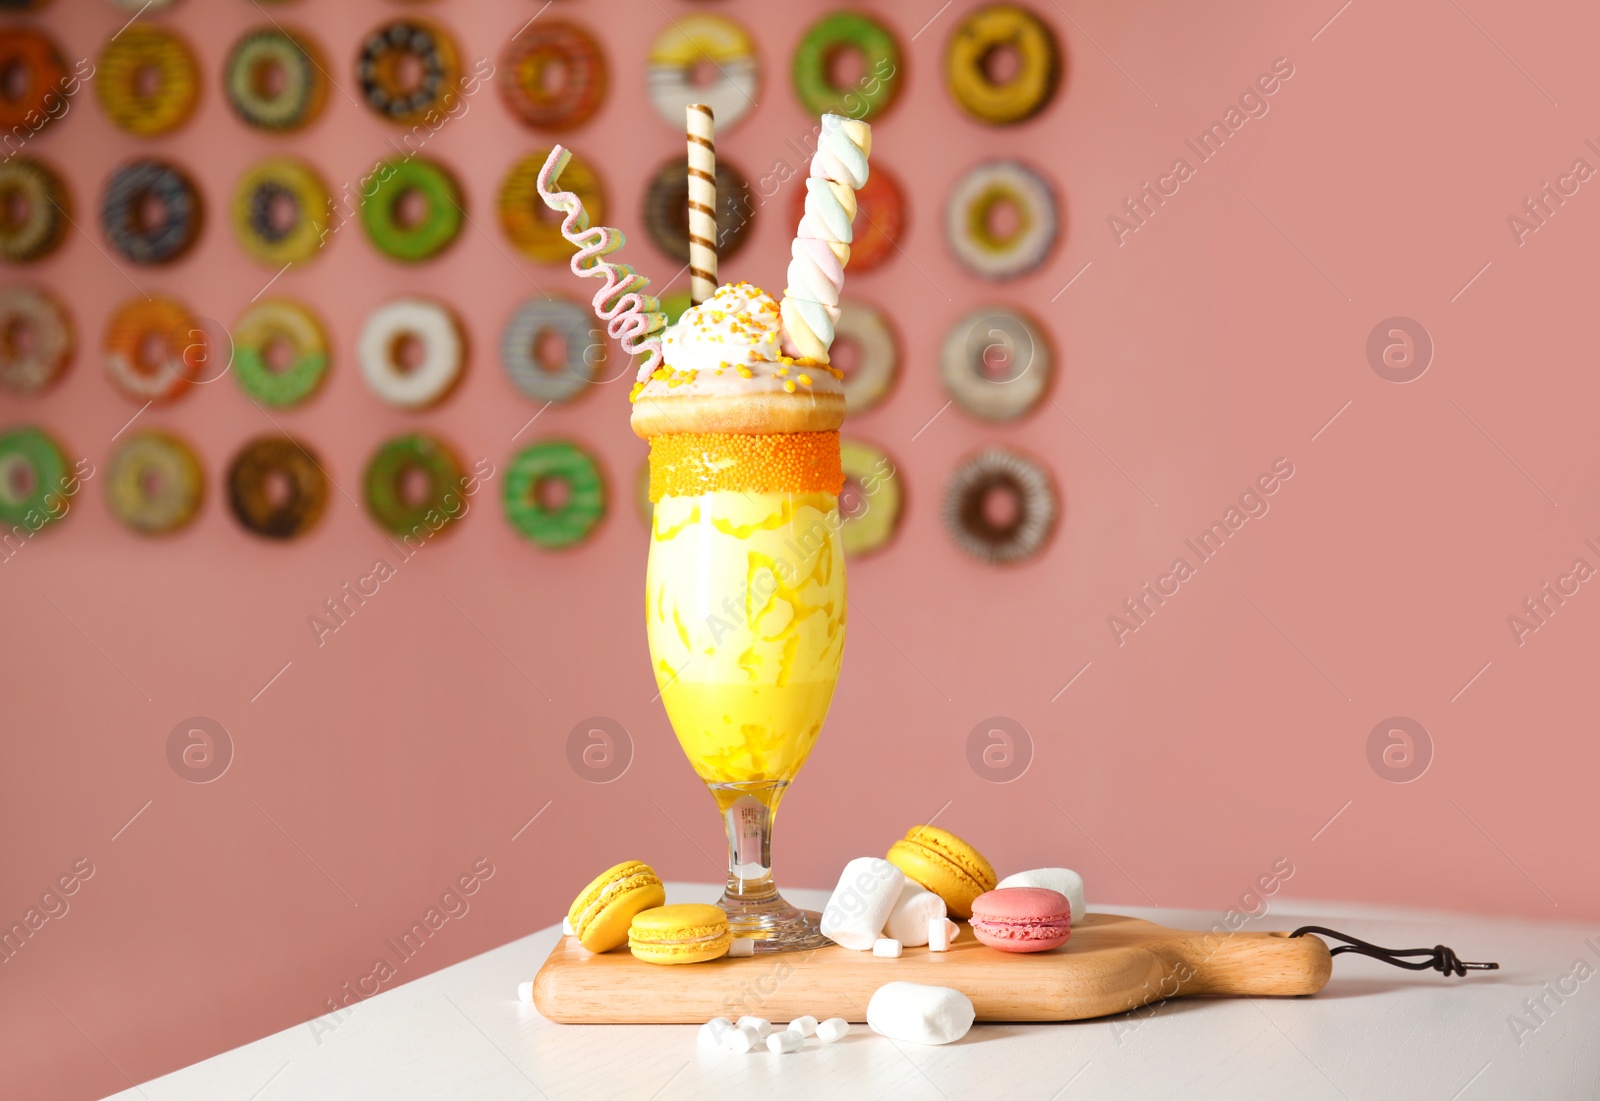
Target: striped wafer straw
(702,203)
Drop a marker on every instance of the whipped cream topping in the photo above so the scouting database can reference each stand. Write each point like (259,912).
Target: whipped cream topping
(729,344)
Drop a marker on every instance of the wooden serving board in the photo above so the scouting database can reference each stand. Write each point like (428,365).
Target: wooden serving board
(1112,964)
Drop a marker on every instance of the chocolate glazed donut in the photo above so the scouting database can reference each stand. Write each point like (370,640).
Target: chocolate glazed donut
(250,493)
(1000,470)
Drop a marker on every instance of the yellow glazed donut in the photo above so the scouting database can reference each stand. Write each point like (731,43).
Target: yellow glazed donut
(531,225)
(973,49)
(147,81)
(281,212)
(154,483)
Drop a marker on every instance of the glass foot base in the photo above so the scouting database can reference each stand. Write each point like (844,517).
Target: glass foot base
(774,924)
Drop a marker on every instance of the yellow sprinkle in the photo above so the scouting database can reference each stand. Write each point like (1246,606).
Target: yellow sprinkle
(805,380)
(788,384)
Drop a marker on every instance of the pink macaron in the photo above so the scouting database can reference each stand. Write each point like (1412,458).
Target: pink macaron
(1022,919)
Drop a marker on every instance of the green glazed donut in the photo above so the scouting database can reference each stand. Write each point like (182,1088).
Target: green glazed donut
(33,476)
(641,494)
(394,465)
(254,334)
(391,182)
(674,304)
(574,519)
(870,96)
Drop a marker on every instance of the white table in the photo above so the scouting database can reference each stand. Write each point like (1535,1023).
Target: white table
(1374,1032)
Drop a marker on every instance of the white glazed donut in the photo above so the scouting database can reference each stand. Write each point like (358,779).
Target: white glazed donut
(690,41)
(44,318)
(877,357)
(996,364)
(991,255)
(430,324)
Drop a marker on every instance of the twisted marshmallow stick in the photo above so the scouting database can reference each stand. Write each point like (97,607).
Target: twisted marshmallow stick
(821,245)
(701,125)
(631,316)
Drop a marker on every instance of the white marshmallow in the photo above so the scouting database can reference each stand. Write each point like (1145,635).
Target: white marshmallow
(714,1033)
(908,921)
(860,904)
(805,1026)
(920,1014)
(833,1030)
(741,1039)
(524,992)
(886,947)
(1065,880)
(942,933)
(762,1026)
(742,946)
(782,1043)
(566,928)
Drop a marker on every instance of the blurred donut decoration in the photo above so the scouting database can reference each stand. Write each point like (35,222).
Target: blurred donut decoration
(1000,506)
(976,58)
(155,349)
(553,75)
(703,58)
(276,487)
(148,80)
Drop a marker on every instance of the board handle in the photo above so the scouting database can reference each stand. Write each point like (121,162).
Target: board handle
(1248,963)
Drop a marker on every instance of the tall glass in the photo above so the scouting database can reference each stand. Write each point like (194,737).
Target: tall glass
(745,612)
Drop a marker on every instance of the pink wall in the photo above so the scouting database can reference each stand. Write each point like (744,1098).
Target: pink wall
(1216,740)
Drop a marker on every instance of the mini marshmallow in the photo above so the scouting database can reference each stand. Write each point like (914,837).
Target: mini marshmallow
(860,904)
(782,1043)
(805,1026)
(741,1039)
(762,1026)
(942,933)
(908,921)
(1068,882)
(887,947)
(920,1014)
(714,1033)
(833,1030)
(742,946)
(566,928)
(524,992)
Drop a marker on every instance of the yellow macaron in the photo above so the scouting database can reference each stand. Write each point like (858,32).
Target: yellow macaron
(688,932)
(601,913)
(945,865)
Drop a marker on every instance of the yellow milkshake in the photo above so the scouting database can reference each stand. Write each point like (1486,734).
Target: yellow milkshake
(744,594)
(745,611)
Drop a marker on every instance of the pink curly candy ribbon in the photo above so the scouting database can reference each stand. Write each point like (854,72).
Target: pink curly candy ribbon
(632,317)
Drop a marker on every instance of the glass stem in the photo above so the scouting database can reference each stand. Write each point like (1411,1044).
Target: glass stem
(749,822)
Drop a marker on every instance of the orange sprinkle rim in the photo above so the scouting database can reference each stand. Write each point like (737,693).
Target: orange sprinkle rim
(688,464)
